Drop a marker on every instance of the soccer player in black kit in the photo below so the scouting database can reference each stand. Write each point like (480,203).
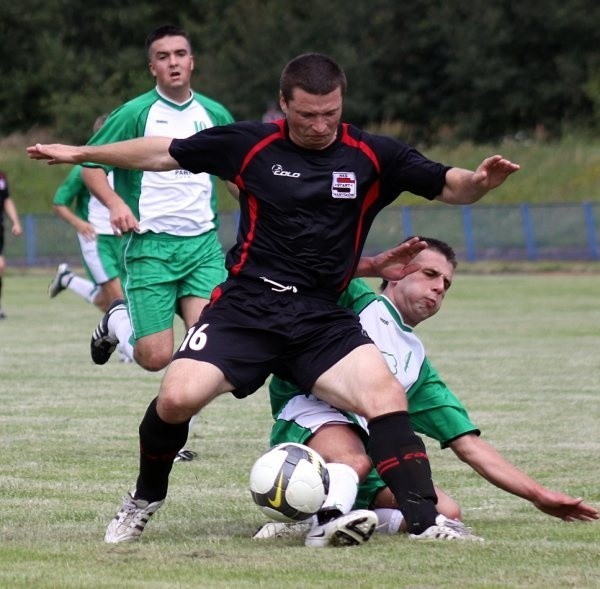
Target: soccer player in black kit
(309,189)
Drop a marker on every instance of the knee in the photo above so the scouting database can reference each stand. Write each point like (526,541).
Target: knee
(390,398)
(172,408)
(360,463)
(151,359)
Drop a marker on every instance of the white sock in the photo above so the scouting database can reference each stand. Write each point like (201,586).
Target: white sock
(119,325)
(83,287)
(343,487)
(191,424)
(389,520)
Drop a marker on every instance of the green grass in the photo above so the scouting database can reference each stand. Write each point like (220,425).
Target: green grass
(551,172)
(522,351)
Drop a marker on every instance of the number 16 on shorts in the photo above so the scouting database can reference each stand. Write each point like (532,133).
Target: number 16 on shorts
(195,338)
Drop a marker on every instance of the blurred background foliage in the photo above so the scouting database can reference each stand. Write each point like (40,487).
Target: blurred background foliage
(429,70)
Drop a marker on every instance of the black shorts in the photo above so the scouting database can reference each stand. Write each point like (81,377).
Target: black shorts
(250,332)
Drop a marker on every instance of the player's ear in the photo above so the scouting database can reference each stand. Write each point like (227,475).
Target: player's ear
(282,103)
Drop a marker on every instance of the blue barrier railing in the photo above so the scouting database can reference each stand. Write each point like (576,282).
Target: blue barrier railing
(478,232)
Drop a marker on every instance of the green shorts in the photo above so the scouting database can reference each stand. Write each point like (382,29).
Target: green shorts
(161,269)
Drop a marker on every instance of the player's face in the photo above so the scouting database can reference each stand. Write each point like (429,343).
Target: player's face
(172,63)
(313,119)
(418,296)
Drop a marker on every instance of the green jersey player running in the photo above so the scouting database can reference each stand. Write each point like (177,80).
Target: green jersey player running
(100,247)
(171,253)
(434,410)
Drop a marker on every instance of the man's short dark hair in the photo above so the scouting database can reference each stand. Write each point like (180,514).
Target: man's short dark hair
(165,31)
(436,245)
(314,73)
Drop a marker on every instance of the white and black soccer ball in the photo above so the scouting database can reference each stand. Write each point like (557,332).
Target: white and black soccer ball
(290,482)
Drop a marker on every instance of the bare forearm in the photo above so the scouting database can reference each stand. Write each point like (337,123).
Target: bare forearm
(67,215)
(492,466)
(460,188)
(11,211)
(488,462)
(466,187)
(97,183)
(143,153)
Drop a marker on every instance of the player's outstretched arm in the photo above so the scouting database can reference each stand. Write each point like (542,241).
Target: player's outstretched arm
(466,187)
(142,153)
(564,507)
(490,464)
(392,264)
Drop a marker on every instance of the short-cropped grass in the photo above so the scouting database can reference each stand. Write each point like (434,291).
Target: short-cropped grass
(522,352)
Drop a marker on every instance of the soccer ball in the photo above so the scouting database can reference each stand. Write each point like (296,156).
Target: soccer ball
(289,482)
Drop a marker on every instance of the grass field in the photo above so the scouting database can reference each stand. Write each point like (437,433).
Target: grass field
(522,351)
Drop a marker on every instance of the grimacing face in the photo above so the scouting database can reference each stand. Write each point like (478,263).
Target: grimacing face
(313,119)
(419,295)
(172,63)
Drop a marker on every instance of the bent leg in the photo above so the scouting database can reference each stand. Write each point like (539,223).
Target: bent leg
(337,442)
(362,382)
(153,352)
(187,386)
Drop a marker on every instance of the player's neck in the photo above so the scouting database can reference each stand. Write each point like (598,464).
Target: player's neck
(177,95)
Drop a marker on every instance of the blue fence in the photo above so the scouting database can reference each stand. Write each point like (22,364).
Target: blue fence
(479,232)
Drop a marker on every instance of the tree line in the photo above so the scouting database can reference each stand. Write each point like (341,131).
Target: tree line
(428,70)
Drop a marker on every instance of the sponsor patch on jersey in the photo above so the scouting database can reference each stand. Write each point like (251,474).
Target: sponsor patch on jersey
(343,185)
(278,170)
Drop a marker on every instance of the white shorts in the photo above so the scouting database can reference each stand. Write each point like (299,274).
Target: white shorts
(312,413)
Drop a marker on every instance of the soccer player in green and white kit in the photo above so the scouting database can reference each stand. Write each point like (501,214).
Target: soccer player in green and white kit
(100,247)
(171,253)
(434,410)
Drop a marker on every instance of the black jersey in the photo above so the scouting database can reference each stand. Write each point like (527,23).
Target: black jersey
(305,214)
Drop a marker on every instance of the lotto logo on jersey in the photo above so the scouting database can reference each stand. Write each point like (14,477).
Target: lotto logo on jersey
(343,185)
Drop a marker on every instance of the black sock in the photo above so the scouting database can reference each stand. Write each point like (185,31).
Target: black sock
(401,460)
(326,515)
(159,443)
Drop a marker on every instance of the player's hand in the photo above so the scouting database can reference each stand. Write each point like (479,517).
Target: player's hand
(55,153)
(566,508)
(122,219)
(16,229)
(88,231)
(393,264)
(493,171)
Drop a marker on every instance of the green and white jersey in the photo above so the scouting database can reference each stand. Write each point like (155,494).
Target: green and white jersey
(401,348)
(73,193)
(176,202)
(434,409)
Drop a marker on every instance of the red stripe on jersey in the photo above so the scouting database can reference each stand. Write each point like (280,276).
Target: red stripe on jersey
(253,213)
(370,198)
(279,134)
(252,202)
(215,295)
